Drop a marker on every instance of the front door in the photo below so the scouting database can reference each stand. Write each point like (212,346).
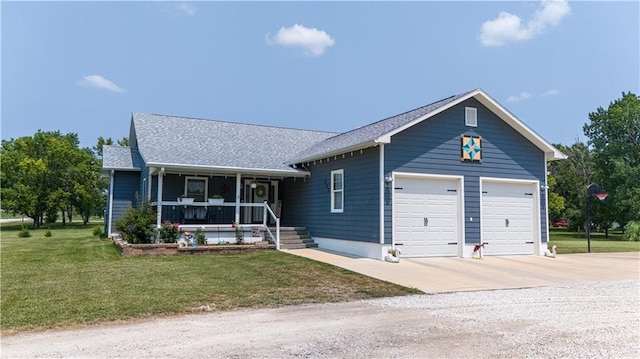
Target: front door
(262,191)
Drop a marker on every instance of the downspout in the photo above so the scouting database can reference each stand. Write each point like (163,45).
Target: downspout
(238,184)
(111,176)
(159,200)
(381,181)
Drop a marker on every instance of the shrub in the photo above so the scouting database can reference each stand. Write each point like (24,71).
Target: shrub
(168,232)
(24,232)
(239,233)
(97,230)
(48,233)
(136,224)
(632,231)
(199,236)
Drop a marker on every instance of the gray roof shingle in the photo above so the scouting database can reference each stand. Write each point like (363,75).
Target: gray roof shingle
(362,136)
(121,158)
(171,140)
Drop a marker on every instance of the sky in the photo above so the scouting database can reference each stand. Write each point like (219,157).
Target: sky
(85,67)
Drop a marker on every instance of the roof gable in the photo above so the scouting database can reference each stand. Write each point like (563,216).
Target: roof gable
(121,158)
(381,131)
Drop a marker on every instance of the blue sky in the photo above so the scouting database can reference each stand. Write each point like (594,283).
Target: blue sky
(84,67)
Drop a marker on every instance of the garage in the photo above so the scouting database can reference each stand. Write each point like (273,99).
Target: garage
(509,219)
(426,216)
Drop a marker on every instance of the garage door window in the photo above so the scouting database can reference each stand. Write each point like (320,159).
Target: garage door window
(337,191)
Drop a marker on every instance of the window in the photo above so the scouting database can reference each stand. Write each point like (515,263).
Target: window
(196,187)
(337,191)
(471,116)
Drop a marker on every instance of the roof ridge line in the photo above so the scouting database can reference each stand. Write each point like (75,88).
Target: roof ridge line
(233,122)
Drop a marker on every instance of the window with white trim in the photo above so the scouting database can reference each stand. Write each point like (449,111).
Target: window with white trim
(471,116)
(337,191)
(196,187)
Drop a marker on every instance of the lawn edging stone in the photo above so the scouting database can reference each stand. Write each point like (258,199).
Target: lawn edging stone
(132,250)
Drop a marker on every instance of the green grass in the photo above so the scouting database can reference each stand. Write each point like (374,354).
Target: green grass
(73,278)
(574,242)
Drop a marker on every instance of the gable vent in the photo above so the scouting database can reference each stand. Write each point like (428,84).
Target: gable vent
(471,116)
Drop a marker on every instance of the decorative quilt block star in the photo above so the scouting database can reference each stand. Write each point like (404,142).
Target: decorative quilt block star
(471,147)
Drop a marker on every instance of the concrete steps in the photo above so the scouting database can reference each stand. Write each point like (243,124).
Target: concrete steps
(295,238)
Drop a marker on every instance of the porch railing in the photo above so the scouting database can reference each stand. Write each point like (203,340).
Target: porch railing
(275,238)
(205,214)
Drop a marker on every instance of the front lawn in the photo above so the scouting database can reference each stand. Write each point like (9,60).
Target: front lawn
(73,278)
(574,242)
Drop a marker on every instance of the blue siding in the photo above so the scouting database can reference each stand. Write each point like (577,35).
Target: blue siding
(125,188)
(433,147)
(307,202)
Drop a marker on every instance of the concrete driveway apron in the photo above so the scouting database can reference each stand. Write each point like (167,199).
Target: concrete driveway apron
(452,274)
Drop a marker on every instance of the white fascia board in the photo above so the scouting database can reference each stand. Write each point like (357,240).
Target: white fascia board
(128,169)
(551,153)
(386,138)
(360,146)
(232,170)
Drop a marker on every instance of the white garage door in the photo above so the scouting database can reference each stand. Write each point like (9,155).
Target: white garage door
(426,216)
(508,218)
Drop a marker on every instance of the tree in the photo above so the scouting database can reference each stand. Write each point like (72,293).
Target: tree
(46,174)
(556,201)
(572,177)
(614,135)
(97,149)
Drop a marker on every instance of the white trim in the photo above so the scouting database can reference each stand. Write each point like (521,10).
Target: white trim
(238,188)
(461,208)
(111,181)
(206,185)
(356,248)
(537,236)
(159,199)
(230,170)
(334,191)
(471,116)
(551,153)
(381,181)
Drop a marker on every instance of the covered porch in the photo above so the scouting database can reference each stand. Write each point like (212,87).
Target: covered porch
(216,202)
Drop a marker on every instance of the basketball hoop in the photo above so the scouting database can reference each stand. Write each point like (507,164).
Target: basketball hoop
(601,196)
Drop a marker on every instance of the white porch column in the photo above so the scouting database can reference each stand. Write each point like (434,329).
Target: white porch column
(111,175)
(159,200)
(381,181)
(238,185)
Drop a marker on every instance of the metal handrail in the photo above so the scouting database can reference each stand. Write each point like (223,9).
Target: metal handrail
(266,227)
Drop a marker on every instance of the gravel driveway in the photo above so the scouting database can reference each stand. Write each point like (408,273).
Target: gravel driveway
(595,320)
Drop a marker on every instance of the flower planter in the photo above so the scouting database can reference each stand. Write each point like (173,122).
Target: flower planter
(215,201)
(186,200)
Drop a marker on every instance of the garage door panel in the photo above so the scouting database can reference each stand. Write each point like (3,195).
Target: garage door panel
(508,218)
(426,216)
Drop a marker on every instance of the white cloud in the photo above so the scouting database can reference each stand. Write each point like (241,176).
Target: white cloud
(100,82)
(314,41)
(551,92)
(517,98)
(186,8)
(509,28)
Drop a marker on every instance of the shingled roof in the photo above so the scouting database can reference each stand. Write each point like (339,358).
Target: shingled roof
(121,158)
(191,143)
(197,143)
(367,135)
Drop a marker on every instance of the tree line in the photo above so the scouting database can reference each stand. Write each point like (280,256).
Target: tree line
(47,175)
(610,158)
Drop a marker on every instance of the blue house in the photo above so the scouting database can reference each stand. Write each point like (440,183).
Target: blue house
(438,180)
